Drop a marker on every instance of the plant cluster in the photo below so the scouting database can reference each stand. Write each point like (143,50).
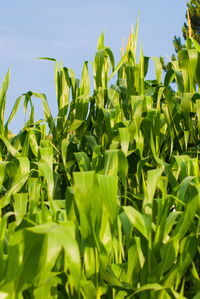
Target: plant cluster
(191,28)
(103,201)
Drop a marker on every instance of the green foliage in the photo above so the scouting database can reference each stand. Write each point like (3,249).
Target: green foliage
(103,200)
(191,28)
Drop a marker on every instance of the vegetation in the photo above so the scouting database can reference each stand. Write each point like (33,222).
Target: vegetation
(191,28)
(103,200)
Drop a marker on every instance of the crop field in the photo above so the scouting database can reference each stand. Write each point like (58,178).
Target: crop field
(103,200)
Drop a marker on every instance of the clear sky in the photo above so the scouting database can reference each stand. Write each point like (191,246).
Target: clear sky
(68,31)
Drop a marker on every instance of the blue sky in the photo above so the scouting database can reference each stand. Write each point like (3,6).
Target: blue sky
(68,31)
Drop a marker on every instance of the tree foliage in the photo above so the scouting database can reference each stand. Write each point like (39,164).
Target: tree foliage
(191,27)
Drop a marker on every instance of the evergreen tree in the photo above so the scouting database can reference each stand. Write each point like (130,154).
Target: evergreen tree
(191,28)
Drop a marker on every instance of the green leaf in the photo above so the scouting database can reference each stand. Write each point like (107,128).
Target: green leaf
(153,177)
(85,81)
(83,161)
(11,149)
(124,139)
(100,44)
(149,286)
(108,186)
(47,58)
(111,163)
(20,205)
(3,92)
(140,222)
(158,66)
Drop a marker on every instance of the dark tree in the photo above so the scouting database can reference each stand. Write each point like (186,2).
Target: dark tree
(191,27)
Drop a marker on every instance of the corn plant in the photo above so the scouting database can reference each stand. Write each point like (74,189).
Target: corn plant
(102,201)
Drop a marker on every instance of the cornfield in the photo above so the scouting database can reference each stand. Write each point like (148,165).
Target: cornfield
(103,200)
